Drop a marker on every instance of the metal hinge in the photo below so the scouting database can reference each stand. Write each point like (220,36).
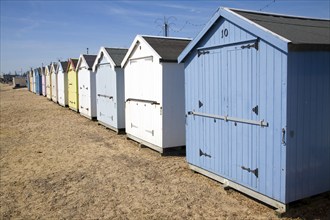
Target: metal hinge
(201,153)
(254,45)
(200,52)
(255,171)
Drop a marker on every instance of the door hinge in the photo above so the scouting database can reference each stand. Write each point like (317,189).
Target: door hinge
(200,104)
(256,109)
(200,52)
(255,171)
(201,153)
(254,45)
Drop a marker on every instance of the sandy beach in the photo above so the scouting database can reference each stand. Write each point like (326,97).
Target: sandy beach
(57,164)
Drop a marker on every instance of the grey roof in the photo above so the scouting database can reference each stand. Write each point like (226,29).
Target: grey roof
(73,62)
(55,65)
(168,48)
(64,65)
(89,59)
(116,54)
(296,29)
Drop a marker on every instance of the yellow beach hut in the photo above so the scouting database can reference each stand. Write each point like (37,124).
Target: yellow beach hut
(73,85)
(31,80)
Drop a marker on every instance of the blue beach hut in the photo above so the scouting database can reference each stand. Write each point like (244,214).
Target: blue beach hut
(257,90)
(38,81)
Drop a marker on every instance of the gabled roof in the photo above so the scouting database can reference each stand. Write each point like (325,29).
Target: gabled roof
(73,63)
(53,67)
(89,60)
(47,68)
(296,29)
(64,65)
(285,32)
(167,48)
(116,54)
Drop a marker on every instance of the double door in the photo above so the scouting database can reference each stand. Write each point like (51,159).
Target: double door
(224,122)
(106,95)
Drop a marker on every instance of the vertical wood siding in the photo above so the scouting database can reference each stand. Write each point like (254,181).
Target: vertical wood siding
(73,91)
(230,81)
(308,124)
(110,83)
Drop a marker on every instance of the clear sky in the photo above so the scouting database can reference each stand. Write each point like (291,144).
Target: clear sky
(36,32)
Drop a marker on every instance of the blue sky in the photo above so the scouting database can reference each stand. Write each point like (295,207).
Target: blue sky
(36,32)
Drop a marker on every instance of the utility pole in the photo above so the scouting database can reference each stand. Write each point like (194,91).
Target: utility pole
(166,26)
(87,50)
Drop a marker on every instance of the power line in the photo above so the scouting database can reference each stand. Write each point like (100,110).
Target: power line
(266,6)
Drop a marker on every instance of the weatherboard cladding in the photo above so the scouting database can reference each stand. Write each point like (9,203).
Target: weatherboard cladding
(116,54)
(231,75)
(168,48)
(110,105)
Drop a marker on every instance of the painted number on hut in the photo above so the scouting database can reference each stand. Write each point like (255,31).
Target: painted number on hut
(224,33)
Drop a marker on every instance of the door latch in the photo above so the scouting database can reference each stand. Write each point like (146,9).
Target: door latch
(283,136)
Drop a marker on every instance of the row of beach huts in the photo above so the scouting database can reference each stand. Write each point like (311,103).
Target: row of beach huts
(249,97)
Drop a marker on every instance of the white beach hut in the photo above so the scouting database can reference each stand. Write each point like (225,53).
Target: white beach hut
(86,86)
(53,77)
(48,82)
(154,92)
(62,83)
(110,88)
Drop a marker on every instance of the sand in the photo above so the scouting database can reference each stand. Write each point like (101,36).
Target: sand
(57,164)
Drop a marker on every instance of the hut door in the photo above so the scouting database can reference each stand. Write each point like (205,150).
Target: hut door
(242,105)
(111,98)
(227,113)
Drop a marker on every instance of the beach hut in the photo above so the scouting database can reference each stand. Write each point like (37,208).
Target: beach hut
(28,80)
(37,81)
(86,86)
(48,82)
(34,80)
(62,83)
(43,80)
(31,80)
(19,81)
(110,88)
(53,78)
(154,92)
(257,90)
(73,91)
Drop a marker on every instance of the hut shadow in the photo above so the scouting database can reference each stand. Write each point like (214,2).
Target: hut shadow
(175,152)
(20,87)
(315,207)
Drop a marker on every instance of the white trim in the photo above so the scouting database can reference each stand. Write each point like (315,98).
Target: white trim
(257,25)
(106,54)
(140,39)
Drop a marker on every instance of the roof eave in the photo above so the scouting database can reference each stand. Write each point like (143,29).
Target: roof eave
(308,47)
(138,38)
(263,33)
(105,54)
